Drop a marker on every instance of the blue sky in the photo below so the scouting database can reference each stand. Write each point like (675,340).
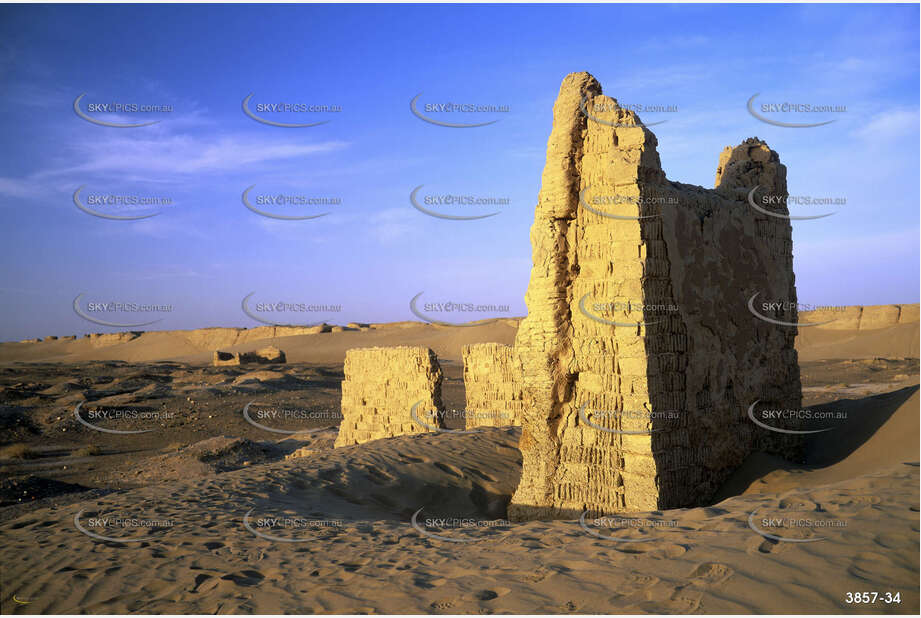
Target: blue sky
(374,252)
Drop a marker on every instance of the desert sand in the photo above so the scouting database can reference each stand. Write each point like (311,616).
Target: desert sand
(197,506)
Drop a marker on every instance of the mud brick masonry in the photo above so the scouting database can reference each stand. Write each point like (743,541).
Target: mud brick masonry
(381,387)
(492,382)
(638,356)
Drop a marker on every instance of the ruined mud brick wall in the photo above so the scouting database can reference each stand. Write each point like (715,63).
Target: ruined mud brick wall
(380,388)
(861,317)
(492,382)
(268,354)
(639,355)
(221,359)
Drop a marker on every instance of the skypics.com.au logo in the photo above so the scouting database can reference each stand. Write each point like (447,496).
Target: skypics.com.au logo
(459,202)
(263,311)
(454,308)
(262,112)
(454,529)
(771,112)
(128,206)
(278,205)
(118,308)
(114,113)
(442,113)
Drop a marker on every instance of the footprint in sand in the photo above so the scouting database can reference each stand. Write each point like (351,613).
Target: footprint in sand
(537,575)
(799,503)
(443,603)
(668,552)
(764,546)
(640,580)
(868,565)
(205,584)
(424,581)
(330,474)
(636,548)
(324,572)
(354,565)
(491,594)
(23,524)
(481,475)
(852,503)
(449,469)
(379,477)
(199,580)
(891,541)
(682,601)
(248,577)
(711,574)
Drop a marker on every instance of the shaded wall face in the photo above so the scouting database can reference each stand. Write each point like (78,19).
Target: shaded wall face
(720,252)
(644,378)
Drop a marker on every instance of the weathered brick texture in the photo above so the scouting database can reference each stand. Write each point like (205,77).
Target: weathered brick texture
(639,357)
(381,387)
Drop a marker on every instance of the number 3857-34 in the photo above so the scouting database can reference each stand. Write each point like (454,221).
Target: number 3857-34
(872,597)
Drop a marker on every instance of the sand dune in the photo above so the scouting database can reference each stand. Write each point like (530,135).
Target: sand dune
(206,527)
(899,341)
(880,432)
(357,550)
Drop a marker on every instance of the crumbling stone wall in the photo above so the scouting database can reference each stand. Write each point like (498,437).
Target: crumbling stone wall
(99,340)
(220,358)
(381,387)
(639,355)
(492,382)
(861,317)
(268,354)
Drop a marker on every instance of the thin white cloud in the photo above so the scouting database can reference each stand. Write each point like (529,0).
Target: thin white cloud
(162,227)
(622,86)
(172,272)
(312,231)
(18,187)
(183,154)
(391,225)
(887,126)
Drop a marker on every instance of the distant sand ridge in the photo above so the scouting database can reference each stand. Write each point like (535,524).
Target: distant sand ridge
(868,317)
(850,317)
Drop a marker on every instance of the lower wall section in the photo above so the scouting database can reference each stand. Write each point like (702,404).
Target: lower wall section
(493,385)
(382,388)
